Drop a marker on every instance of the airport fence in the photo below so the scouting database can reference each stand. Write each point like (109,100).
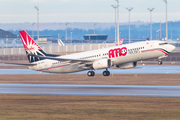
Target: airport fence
(56,49)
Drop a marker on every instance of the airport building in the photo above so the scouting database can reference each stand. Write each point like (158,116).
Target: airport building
(43,39)
(92,37)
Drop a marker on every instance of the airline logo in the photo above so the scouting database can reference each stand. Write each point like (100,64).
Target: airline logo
(118,52)
(29,44)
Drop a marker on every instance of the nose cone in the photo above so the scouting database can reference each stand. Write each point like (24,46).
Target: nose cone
(171,48)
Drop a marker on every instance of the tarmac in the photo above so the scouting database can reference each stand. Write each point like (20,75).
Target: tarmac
(91,90)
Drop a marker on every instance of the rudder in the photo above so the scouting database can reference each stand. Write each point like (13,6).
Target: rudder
(33,50)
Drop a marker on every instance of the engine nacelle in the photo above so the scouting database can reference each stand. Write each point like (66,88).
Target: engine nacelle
(102,64)
(127,65)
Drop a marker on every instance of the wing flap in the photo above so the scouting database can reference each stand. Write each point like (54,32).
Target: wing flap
(24,64)
(67,59)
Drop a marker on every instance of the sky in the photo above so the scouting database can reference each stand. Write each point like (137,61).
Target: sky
(21,11)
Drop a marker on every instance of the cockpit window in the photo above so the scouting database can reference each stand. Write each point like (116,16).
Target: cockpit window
(162,43)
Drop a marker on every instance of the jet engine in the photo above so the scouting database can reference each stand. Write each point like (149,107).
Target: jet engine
(102,64)
(127,65)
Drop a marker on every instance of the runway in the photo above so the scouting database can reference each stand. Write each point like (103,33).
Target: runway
(141,70)
(91,90)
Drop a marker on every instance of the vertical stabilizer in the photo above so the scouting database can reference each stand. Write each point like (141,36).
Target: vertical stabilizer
(60,42)
(31,47)
(120,42)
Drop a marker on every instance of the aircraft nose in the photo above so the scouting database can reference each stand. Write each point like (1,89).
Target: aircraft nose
(171,48)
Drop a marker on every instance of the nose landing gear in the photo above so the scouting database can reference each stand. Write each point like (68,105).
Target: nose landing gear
(160,62)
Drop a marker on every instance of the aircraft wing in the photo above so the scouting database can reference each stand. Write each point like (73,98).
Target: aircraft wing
(68,59)
(82,61)
(25,64)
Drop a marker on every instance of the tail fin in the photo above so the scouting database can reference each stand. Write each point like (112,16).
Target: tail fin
(31,47)
(121,41)
(60,42)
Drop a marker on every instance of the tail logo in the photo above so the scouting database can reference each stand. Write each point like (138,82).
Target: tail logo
(121,41)
(30,45)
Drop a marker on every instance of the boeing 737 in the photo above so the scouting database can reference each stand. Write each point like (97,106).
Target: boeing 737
(123,57)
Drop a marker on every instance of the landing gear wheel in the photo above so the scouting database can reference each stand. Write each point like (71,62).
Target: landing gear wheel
(160,62)
(106,73)
(91,73)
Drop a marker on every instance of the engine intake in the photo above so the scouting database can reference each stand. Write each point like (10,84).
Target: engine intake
(102,64)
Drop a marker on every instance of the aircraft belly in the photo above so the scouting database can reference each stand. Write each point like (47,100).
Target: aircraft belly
(156,54)
(152,54)
(125,59)
(136,57)
(65,69)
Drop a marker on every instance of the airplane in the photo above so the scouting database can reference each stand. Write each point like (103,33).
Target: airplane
(60,42)
(120,41)
(123,57)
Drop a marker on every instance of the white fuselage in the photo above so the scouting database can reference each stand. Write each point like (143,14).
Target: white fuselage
(118,54)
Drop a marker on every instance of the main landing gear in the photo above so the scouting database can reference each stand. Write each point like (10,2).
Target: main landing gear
(160,62)
(92,73)
(106,73)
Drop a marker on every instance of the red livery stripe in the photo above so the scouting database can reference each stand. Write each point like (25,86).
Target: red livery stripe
(156,50)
